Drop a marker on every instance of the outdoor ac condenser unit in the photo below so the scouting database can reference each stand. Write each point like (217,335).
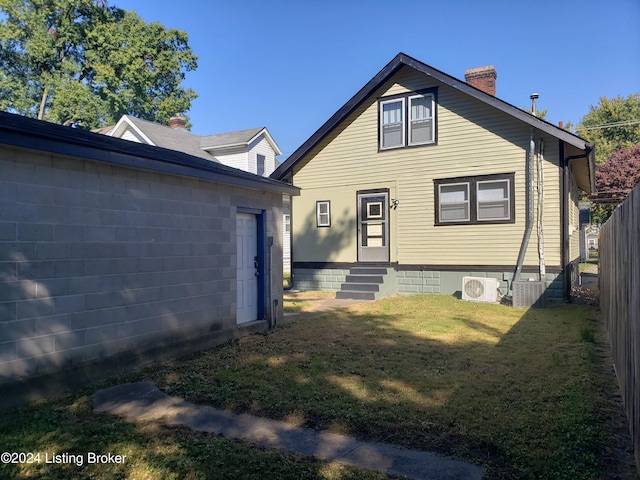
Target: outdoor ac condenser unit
(479,289)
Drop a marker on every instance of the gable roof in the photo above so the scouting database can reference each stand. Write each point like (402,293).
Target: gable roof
(164,136)
(389,70)
(23,132)
(238,138)
(161,136)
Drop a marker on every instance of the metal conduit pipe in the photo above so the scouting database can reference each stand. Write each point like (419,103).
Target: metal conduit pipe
(529,207)
(541,209)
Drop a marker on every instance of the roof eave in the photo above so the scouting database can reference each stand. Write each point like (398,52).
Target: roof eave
(22,132)
(399,61)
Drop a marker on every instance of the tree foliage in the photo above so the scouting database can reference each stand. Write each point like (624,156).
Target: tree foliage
(614,181)
(83,63)
(613,124)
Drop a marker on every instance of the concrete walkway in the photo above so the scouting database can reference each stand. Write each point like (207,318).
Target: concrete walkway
(323,306)
(143,401)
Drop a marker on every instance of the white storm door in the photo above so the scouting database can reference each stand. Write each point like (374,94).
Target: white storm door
(247,267)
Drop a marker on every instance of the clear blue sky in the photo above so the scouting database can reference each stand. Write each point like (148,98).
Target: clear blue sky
(289,65)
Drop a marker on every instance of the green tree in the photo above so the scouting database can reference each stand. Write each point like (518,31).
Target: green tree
(612,125)
(614,181)
(83,63)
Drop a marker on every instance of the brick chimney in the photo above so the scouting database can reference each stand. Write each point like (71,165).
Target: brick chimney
(483,78)
(178,121)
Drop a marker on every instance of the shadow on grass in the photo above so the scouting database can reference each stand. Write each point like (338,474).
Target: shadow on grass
(517,391)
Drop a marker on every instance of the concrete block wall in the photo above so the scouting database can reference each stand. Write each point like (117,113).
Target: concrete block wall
(427,281)
(96,260)
(319,279)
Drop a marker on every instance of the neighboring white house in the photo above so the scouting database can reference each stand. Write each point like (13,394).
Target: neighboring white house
(253,150)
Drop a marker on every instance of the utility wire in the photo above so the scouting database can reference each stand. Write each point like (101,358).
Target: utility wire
(609,125)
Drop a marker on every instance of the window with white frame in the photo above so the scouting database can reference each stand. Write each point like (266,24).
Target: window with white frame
(475,200)
(407,120)
(493,200)
(323,213)
(260,160)
(287,223)
(454,202)
(420,119)
(392,123)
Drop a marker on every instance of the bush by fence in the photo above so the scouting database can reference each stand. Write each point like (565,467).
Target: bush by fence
(620,302)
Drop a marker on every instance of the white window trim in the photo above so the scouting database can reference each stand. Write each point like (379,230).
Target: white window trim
(410,121)
(493,219)
(319,222)
(402,123)
(468,202)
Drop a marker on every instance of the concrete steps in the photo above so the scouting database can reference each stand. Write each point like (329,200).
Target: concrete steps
(368,283)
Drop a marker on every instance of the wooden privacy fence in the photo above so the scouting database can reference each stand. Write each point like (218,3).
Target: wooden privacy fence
(620,302)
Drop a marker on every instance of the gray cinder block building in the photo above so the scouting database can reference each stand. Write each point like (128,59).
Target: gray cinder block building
(114,253)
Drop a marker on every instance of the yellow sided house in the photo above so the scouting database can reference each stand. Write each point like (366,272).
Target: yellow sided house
(423,183)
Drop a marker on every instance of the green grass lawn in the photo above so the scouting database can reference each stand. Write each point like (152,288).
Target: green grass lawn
(527,394)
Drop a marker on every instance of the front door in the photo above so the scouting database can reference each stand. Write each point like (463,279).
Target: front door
(373,226)
(247,267)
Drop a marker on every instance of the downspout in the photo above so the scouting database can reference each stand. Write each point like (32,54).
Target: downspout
(529,206)
(541,209)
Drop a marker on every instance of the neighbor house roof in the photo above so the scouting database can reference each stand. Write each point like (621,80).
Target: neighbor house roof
(238,138)
(161,136)
(184,141)
(401,60)
(18,131)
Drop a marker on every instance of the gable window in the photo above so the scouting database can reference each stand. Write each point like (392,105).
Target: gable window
(407,120)
(323,213)
(475,200)
(260,164)
(420,119)
(392,124)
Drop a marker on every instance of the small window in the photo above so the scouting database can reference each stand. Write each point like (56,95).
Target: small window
(287,223)
(323,213)
(475,200)
(260,164)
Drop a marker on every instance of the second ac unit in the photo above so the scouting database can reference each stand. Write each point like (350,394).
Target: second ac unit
(480,289)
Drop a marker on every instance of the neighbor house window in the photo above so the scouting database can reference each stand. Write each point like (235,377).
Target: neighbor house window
(475,200)
(260,164)
(287,223)
(323,213)
(407,120)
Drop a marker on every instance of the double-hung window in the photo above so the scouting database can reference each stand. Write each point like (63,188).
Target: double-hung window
(407,120)
(475,200)
(392,123)
(420,119)
(323,213)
